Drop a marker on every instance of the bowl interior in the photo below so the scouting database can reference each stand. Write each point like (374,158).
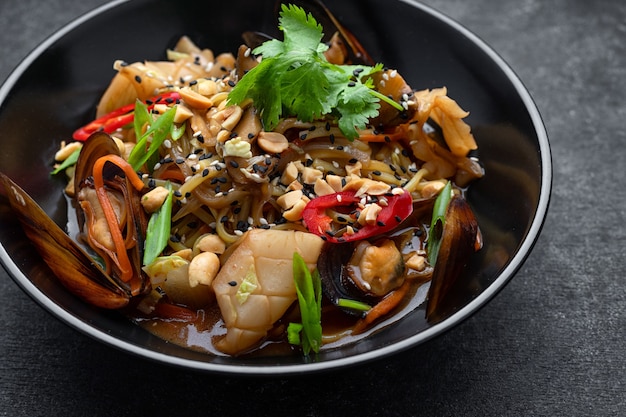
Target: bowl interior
(56,88)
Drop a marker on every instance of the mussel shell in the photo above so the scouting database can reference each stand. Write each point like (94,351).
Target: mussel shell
(459,238)
(70,263)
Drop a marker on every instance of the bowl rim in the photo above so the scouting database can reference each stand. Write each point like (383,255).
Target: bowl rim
(462,314)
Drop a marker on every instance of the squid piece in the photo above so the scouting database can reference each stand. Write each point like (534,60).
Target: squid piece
(255,286)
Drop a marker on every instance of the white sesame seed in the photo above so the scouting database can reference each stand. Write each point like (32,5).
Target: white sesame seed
(238,232)
(263,221)
(167,143)
(157,165)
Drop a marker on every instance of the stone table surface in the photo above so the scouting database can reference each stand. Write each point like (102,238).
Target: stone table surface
(551,343)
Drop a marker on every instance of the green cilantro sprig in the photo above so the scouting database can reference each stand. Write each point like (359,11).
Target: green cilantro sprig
(295,79)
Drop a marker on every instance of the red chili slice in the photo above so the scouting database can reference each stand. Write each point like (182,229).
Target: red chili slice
(112,121)
(398,208)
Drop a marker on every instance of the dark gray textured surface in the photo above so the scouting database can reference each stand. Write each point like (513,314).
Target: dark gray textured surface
(552,343)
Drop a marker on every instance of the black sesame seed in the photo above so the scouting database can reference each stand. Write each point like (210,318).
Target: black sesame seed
(265,226)
(303,136)
(178,193)
(237,210)
(327,127)
(250,135)
(167,160)
(234,203)
(224,69)
(200,138)
(340,148)
(381,224)
(351,84)
(405,152)
(138,79)
(174,238)
(387,139)
(234,164)
(398,219)
(192,225)
(224,219)
(331,137)
(232,283)
(353,161)
(180,160)
(151,183)
(193,82)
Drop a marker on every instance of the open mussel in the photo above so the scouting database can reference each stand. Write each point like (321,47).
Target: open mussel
(459,238)
(368,271)
(344,267)
(116,241)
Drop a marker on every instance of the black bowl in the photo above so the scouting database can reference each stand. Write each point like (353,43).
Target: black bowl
(57,86)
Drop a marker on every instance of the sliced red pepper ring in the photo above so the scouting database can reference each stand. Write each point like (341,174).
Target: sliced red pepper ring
(317,221)
(118,118)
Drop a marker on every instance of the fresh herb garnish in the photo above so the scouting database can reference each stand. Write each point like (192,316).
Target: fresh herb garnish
(68,162)
(158,131)
(437,223)
(309,290)
(294,78)
(158,231)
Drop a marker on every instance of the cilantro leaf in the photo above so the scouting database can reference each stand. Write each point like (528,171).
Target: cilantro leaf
(295,79)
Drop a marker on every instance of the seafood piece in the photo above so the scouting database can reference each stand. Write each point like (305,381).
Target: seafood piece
(74,268)
(255,286)
(109,211)
(460,237)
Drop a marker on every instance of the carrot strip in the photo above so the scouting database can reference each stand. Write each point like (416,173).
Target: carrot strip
(382,308)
